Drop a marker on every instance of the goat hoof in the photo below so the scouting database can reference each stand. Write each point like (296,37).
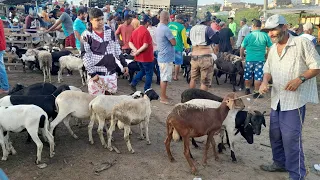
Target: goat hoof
(194,171)
(172,159)
(3,158)
(217,159)
(75,136)
(141,138)
(91,142)
(51,155)
(110,149)
(132,151)
(148,143)
(13,152)
(37,162)
(234,160)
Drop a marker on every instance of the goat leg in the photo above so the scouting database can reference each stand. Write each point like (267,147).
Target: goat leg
(205,154)
(186,140)
(194,143)
(213,143)
(167,144)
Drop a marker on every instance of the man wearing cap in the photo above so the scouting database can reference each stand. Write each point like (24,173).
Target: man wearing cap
(125,30)
(232,25)
(215,25)
(292,65)
(180,34)
(203,39)
(65,22)
(142,48)
(308,30)
(256,44)
(245,30)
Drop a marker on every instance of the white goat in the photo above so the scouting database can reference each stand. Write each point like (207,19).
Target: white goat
(71,103)
(17,118)
(72,63)
(45,61)
(101,109)
(132,112)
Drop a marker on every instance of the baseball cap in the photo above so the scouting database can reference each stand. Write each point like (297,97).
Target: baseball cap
(57,7)
(244,19)
(206,19)
(145,19)
(218,21)
(274,21)
(230,17)
(308,26)
(180,17)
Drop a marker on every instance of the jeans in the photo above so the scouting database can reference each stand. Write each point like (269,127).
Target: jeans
(4,85)
(146,69)
(286,143)
(156,66)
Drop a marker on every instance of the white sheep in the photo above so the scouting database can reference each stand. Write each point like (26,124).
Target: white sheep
(101,109)
(20,117)
(132,112)
(72,63)
(45,61)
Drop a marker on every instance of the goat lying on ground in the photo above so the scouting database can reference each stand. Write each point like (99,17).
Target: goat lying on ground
(191,121)
(101,109)
(72,63)
(132,112)
(20,117)
(233,124)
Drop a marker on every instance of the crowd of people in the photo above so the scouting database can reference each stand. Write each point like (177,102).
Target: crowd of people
(269,49)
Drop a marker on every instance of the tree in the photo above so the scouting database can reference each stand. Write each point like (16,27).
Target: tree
(216,8)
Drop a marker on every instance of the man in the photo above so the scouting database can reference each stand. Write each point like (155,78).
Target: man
(308,30)
(135,21)
(203,39)
(12,13)
(32,21)
(292,64)
(126,11)
(256,44)
(152,30)
(215,25)
(141,45)
(232,25)
(62,9)
(245,30)
(54,12)
(79,27)
(45,15)
(165,44)
(125,30)
(179,32)
(100,61)
(226,41)
(4,85)
(85,8)
(65,22)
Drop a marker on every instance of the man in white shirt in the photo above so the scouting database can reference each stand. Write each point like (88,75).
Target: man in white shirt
(293,64)
(308,30)
(245,30)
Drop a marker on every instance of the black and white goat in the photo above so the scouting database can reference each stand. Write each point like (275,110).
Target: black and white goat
(36,89)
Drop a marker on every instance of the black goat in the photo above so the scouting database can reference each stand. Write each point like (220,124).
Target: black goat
(193,93)
(34,89)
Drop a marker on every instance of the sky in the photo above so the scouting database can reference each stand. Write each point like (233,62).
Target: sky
(221,1)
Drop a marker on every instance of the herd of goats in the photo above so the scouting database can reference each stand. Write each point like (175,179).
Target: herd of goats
(43,106)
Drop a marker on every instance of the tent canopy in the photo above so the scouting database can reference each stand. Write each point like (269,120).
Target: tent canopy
(296,10)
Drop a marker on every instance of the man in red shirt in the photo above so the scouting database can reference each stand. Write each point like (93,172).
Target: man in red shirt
(4,85)
(215,25)
(125,30)
(142,49)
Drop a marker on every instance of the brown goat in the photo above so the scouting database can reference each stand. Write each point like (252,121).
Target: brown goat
(190,121)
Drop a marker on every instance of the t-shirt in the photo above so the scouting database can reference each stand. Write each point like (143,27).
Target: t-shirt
(126,12)
(233,27)
(67,24)
(152,31)
(165,49)
(125,31)
(256,43)
(245,30)
(140,36)
(135,23)
(179,33)
(224,43)
(310,37)
(79,26)
(45,16)
(215,26)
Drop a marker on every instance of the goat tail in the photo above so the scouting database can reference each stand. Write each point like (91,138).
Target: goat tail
(175,135)
(120,125)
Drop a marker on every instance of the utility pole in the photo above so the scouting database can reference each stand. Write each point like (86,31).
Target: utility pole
(265,7)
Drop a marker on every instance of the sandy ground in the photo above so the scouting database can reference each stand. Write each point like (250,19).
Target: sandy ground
(77,159)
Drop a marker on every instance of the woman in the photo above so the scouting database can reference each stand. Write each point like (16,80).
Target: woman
(101,51)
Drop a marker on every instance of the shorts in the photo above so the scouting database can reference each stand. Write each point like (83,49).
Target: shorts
(202,66)
(253,67)
(165,71)
(70,41)
(178,58)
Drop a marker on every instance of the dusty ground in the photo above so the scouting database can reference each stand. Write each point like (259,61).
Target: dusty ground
(77,159)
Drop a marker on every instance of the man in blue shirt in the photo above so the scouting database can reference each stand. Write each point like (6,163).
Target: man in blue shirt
(79,26)
(166,55)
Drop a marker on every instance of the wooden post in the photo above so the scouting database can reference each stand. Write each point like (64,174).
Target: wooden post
(319,33)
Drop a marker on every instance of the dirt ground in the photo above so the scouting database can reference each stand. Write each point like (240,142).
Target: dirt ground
(77,159)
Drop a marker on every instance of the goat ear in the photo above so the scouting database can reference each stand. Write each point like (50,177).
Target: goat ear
(248,119)
(264,112)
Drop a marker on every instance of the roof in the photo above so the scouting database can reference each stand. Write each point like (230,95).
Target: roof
(296,10)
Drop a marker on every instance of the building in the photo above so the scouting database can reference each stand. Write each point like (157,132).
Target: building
(306,2)
(228,3)
(238,5)
(282,2)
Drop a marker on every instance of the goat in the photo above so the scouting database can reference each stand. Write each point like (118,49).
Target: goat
(19,52)
(46,102)
(17,118)
(233,124)
(72,63)
(45,61)
(181,121)
(36,89)
(101,109)
(132,112)
(12,58)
